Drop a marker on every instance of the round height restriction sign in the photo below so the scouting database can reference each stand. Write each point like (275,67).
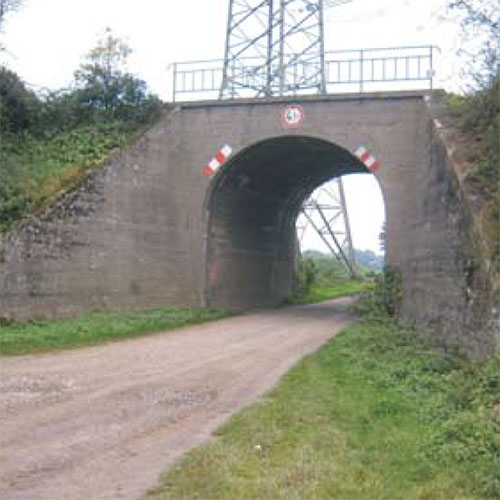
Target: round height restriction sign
(293,115)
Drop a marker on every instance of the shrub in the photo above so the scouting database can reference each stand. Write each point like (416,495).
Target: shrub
(304,278)
(18,105)
(388,290)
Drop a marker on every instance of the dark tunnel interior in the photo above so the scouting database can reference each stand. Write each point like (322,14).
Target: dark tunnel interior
(251,209)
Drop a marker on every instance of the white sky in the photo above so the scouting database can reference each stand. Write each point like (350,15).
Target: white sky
(47,40)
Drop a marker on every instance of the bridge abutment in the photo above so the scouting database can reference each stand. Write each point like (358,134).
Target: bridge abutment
(150,230)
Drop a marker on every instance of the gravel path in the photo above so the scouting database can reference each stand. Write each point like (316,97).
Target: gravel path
(104,422)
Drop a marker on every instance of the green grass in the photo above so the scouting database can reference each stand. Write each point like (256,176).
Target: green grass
(375,413)
(319,293)
(95,328)
(35,172)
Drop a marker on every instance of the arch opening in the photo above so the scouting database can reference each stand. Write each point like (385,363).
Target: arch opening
(251,209)
(363,233)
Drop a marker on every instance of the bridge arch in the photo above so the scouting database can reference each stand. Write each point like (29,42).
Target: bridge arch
(251,208)
(149,230)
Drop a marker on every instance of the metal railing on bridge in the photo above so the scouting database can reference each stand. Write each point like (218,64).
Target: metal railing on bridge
(359,70)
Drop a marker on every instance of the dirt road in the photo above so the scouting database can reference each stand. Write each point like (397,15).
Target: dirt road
(104,422)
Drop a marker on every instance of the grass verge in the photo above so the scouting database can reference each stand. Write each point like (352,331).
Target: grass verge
(375,413)
(95,328)
(319,293)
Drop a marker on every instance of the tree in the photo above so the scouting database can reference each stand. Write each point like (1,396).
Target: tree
(7,6)
(481,108)
(481,25)
(104,85)
(304,278)
(100,78)
(18,105)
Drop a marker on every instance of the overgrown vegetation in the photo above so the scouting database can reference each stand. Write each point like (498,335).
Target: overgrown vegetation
(320,277)
(304,279)
(375,413)
(388,291)
(50,142)
(478,118)
(35,171)
(96,328)
(477,113)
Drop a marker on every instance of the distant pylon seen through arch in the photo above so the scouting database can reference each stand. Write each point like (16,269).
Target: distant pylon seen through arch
(323,213)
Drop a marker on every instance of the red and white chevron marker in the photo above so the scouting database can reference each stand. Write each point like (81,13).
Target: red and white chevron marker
(221,156)
(367,158)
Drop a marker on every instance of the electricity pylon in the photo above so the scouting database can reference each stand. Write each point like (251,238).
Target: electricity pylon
(276,48)
(273,47)
(323,212)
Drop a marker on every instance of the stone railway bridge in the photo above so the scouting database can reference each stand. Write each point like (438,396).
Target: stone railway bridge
(150,230)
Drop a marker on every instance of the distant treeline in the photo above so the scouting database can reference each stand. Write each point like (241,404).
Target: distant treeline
(367,261)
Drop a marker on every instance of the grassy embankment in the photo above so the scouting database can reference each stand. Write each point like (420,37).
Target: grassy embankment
(50,141)
(36,172)
(319,293)
(96,328)
(375,413)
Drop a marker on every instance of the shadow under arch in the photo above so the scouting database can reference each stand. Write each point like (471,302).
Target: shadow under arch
(251,208)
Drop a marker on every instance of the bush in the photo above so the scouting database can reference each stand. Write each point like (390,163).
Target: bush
(388,290)
(479,115)
(18,105)
(304,278)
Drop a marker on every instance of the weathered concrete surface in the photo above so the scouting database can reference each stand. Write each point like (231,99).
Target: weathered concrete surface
(150,230)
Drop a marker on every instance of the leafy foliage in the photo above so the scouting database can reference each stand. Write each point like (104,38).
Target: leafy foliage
(368,261)
(321,277)
(478,117)
(478,114)
(105,88)
(481,27)
(100,77)
(330,268)
(388,290)
(478,111)
(50,142)
(18,105)
(304,278)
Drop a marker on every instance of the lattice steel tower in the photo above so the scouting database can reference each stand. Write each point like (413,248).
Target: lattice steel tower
(273,47)
(276,48)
